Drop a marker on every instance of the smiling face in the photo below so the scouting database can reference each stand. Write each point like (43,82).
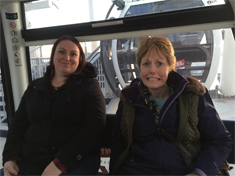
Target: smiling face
(66,58)
(154,70)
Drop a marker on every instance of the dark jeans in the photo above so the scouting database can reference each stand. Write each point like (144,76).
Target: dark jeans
(87,166)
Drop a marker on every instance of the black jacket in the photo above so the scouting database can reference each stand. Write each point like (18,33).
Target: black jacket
(67,124)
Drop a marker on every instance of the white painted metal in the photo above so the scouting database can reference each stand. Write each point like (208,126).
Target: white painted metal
(15,49)
(227,86)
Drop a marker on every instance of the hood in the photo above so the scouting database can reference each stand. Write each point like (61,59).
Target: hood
(131,92)
(180,83)
(89,71)
(189,84)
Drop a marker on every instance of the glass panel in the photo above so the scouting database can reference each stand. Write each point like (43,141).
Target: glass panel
(193,50)
(2,141)
(168,5)
(63,12)
(3,115)
(3,118)
(46,13)
(40,59)
(199,54)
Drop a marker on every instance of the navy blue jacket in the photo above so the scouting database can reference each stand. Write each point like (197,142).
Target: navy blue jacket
(154,154)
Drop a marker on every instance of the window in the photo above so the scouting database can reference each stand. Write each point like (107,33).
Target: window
(63,12)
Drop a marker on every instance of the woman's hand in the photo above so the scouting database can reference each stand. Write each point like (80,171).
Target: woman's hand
(10,168)
(51,169)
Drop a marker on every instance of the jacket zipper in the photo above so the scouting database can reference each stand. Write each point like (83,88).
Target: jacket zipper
(164,113)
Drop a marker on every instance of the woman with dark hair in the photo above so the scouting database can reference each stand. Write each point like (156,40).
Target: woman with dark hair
(59,123)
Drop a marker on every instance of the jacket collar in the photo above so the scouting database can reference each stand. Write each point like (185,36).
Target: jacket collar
(89,71)
(180,83)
